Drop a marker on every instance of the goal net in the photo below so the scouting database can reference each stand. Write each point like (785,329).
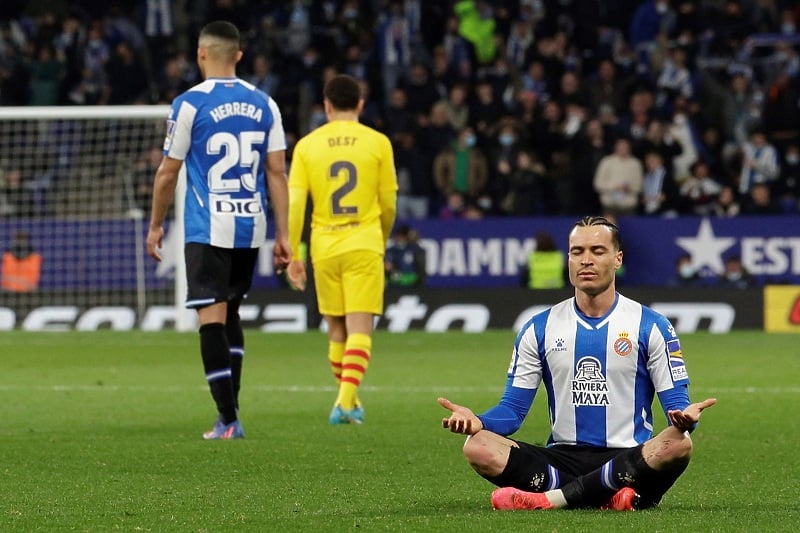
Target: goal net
(75,193)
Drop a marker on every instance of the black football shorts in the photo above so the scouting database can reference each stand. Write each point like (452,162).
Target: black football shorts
(537,469)
(216,274)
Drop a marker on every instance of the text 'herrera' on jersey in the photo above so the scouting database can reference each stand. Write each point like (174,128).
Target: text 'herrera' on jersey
(601,374)
(223,129)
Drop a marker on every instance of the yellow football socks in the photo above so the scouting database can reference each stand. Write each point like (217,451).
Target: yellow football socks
(335,355)
(354,364)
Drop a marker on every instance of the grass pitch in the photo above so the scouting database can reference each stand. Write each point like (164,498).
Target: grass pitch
(102,431)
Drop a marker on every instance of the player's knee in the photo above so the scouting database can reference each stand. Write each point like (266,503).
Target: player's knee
(481,456)
(474,448)
(682,448)
(675,451)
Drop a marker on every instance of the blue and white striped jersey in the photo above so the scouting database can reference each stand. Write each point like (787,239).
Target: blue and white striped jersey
(600,374)
(223,129)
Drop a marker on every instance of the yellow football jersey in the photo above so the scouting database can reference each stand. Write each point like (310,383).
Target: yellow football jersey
(342,165)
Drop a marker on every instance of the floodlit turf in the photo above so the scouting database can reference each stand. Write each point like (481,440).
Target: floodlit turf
(101,431)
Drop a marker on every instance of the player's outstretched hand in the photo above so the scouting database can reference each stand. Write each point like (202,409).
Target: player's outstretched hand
(296,272)
(154,238)
(684,420)
(461,419)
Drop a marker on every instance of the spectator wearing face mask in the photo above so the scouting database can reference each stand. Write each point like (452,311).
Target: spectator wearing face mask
(505,148)
(735,275)
(685,273)
(461,168)
(788,21)
(651,20)
(648,21)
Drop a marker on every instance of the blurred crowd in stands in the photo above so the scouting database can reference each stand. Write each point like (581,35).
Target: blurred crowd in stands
(501,108)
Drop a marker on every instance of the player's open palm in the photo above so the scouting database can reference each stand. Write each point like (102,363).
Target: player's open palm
(685,419)
(461,419)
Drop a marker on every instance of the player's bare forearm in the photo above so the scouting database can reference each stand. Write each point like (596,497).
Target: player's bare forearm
(163,192)
(278,193)
(279,200)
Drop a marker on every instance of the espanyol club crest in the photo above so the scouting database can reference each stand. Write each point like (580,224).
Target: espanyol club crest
(623,345)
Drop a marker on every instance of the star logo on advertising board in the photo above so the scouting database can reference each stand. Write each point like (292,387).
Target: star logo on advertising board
(705,248)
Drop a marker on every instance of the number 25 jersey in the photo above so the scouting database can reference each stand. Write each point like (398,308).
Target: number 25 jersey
(223,129)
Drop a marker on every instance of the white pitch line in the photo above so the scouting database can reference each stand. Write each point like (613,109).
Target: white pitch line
(259,388)
(366,388)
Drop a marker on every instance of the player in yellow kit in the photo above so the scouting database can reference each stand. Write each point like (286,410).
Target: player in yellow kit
(348,170)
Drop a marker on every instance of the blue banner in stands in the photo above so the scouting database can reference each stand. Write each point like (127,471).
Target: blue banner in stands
(460,253)
(489,253)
